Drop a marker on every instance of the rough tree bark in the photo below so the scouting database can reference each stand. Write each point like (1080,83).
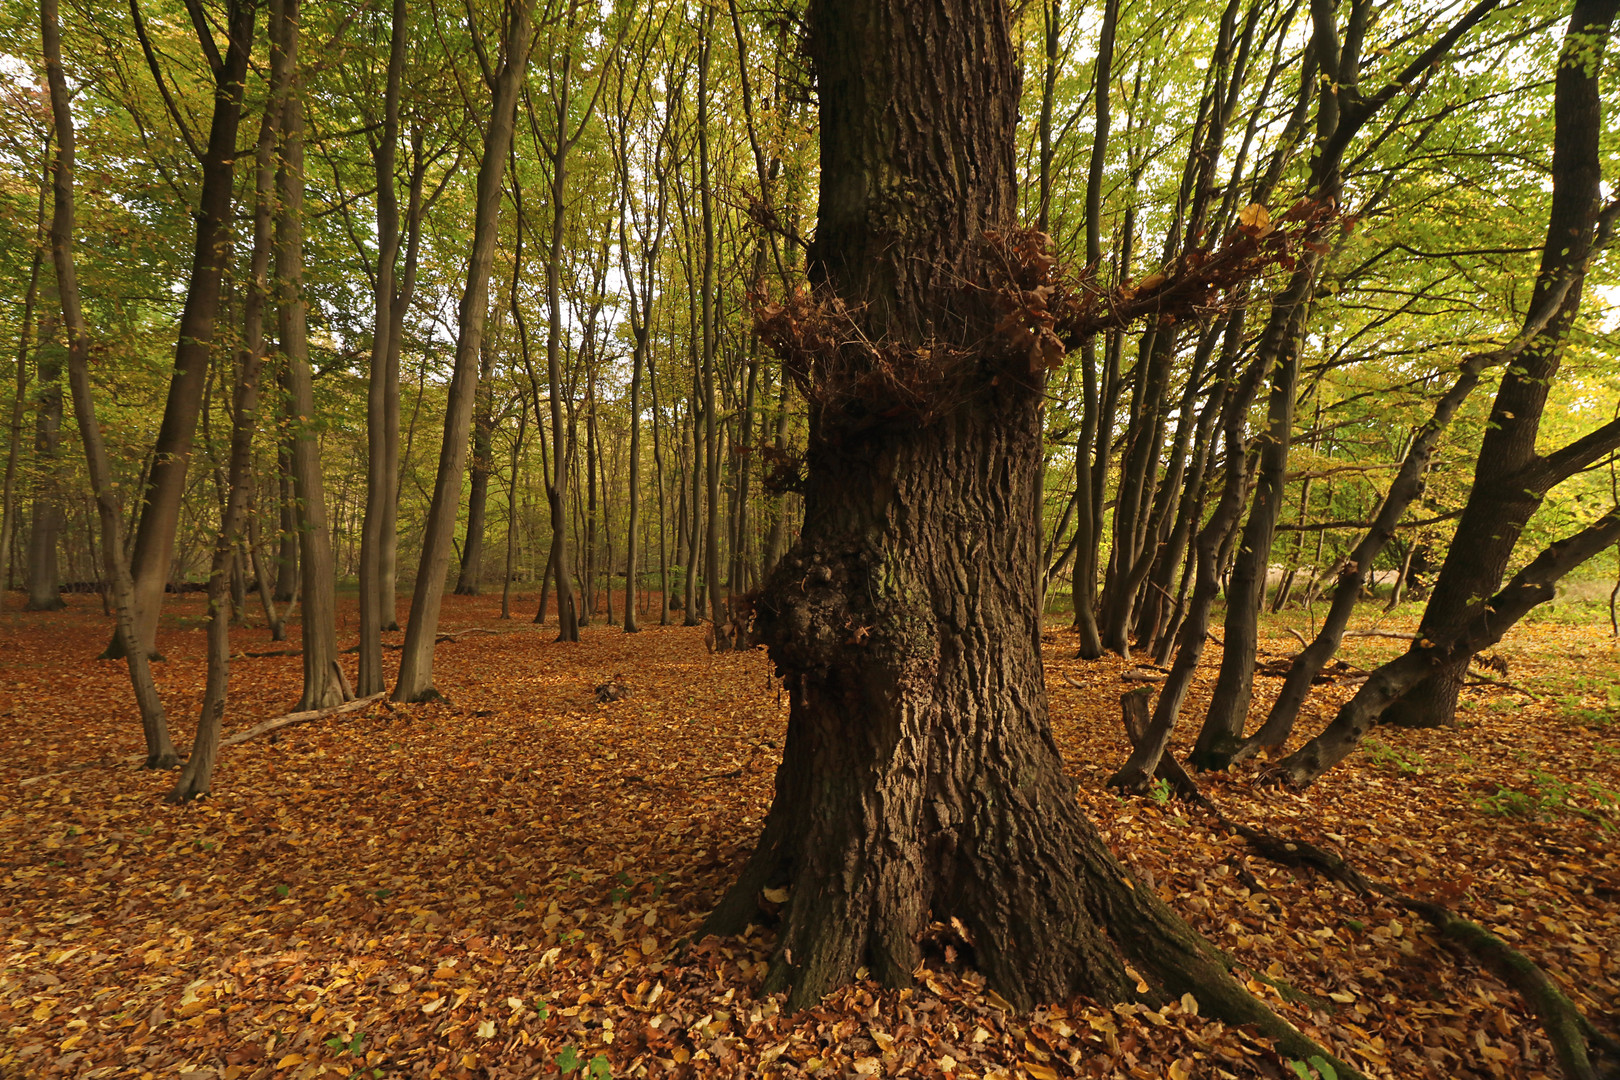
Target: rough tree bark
(920,778)
(415,681)
(160,752)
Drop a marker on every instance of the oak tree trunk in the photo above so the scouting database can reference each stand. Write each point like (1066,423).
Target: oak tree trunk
(920,779)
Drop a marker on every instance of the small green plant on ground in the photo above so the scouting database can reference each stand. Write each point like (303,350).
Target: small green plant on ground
(1549,794)
(1386,756)
(1322,1066)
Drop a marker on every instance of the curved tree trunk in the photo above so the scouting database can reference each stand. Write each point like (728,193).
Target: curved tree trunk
(920,779)
(166,483)
(196,777)
(415,682)
(1533,585)
(1511,478)
(160,752)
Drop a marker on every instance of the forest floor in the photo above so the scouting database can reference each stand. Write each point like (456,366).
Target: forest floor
(499,886)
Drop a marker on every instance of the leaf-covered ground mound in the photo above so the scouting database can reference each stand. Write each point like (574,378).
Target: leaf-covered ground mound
(503,886)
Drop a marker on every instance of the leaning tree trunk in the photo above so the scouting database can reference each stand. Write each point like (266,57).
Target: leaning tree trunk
(166,483)
(415,682)
(196,777)
(1511,478)
(920,779)
(1533,585)
(160,752)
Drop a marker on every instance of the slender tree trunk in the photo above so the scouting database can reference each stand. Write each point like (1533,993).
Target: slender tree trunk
(382,377)
(512,510)
(160,752)
(1138,771)
(416,657)
(483,463)
(658,475)
(1089,471)
(166,483)
(632,533)
(587,585)
(287,584)
(711,534)
(19,398)
(47,519)
(1510,477)
(557,492)
(261,574)
(323,682)
(196,777)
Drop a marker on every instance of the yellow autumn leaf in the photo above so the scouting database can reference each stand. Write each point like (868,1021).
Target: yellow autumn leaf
(290,1060)
(1040,1072)
(486,1029)
(1255,216)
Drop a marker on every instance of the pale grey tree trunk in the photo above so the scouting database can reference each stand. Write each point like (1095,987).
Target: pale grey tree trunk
(415,681)
(323,682)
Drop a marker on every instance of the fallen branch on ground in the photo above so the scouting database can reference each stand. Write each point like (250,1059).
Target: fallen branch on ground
(262,728)
(1480,680)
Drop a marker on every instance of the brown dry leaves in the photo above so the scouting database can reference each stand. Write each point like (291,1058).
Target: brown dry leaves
(474,890)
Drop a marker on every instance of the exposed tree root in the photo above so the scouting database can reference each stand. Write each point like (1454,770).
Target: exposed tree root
(1161,764)
(1572,1035)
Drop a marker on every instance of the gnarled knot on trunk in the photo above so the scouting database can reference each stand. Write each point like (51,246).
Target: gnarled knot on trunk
(827,610)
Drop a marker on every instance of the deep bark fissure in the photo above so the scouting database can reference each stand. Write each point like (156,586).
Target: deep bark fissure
(920,779)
